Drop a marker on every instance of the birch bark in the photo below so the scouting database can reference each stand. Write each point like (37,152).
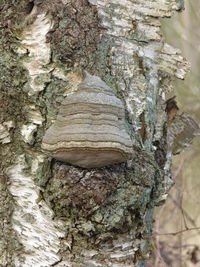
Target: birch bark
(53,214)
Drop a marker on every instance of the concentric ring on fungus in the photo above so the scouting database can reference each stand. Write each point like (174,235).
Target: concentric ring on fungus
(90,130)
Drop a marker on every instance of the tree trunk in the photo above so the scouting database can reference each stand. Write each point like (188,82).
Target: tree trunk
(55,214)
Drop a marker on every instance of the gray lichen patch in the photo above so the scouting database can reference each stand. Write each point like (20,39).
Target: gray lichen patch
(13,76)
(100,205)
(104,196)
(8,247)
(84,190)
(13,16)
(51,98)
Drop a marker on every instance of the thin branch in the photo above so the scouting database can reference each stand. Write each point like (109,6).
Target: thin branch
(179,232)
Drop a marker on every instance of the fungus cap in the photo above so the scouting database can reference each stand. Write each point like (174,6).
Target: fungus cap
(90,129)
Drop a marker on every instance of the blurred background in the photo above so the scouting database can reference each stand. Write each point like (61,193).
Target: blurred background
(176,240)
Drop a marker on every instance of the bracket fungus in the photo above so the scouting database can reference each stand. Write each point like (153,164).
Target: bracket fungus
(90,129)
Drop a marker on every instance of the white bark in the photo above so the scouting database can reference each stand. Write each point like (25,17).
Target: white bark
(32,221)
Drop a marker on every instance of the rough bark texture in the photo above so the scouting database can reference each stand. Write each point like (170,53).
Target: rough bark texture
(53,214)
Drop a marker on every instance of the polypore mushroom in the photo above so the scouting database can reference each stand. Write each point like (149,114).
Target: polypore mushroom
(90,130)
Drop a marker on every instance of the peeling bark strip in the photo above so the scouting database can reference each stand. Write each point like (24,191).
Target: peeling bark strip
(34,41)
(32,221)
(60,215)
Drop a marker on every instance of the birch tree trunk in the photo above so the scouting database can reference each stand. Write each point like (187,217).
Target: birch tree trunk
(54,214)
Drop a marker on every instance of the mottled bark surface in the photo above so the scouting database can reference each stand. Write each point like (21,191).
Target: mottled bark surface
(54,214)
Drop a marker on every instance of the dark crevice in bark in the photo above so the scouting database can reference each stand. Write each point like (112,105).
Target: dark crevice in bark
(30,6)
